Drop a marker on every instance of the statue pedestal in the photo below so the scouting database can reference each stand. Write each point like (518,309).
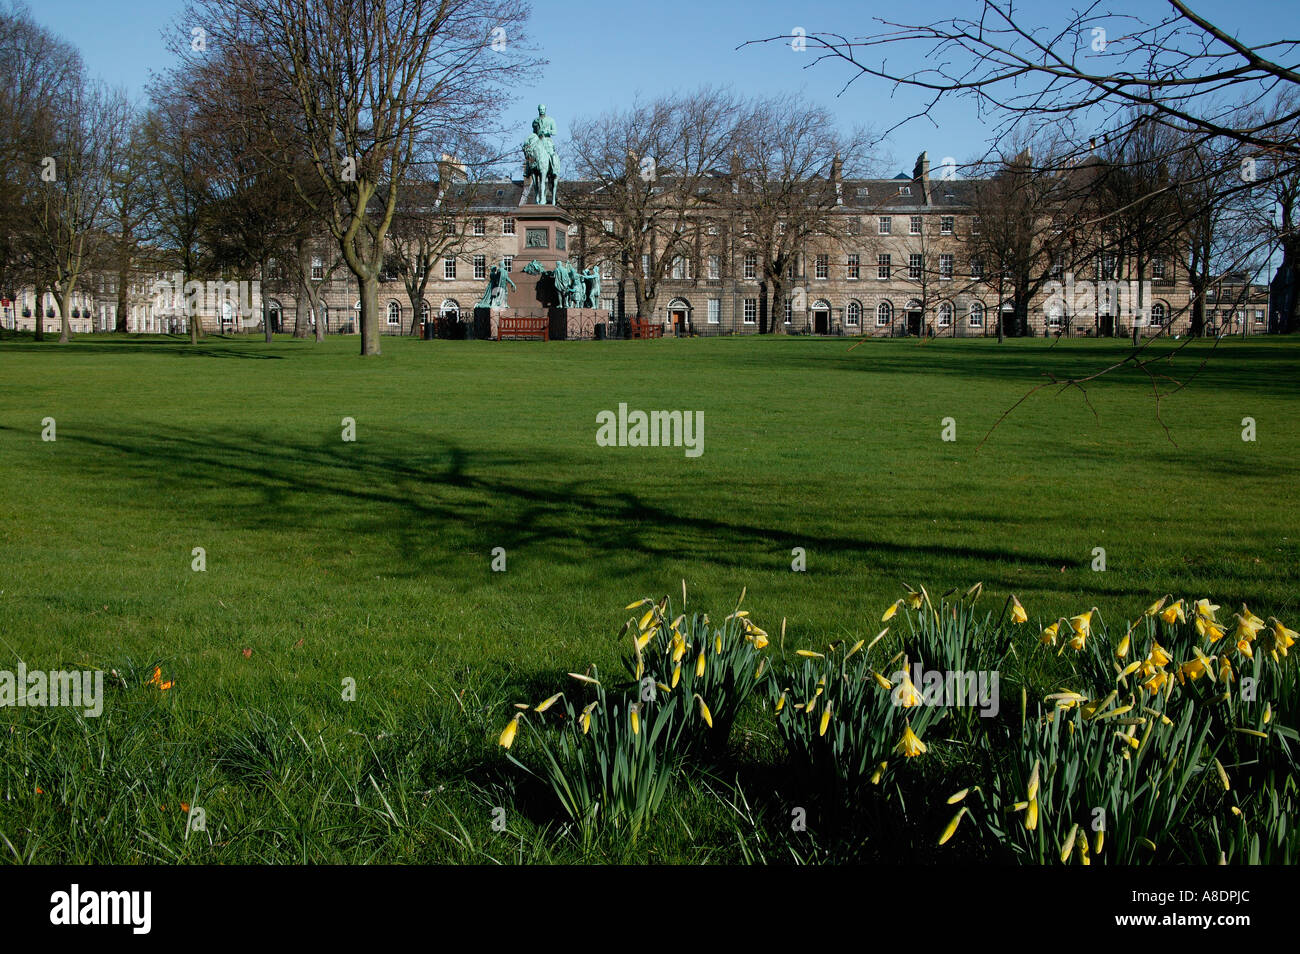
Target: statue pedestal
(543,232)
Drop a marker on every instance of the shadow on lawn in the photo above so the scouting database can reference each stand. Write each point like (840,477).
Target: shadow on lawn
(211,346)
(437,504)
(1247,366)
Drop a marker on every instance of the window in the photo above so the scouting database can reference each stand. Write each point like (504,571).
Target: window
(974,226)
(945,314)
(854,266)
(715,310)
(789,309)
(751,265)
(822,268)
(1259,314)
(751,310)
(914,225)
(904,190)
(977,268)
(480,226)
(793,271)
(715,267)
(508,262)
(449,227)
(945,225)
(507,226)
(1158,269)
(317,270)
(915,264)
(882,266)
(424,311)
(884,314)
(1058,267)
(645,265)
(976,314)
(1158,314)
(394,313)
(885,225)
(853,314)
(607,304)
(480,267)
(608,226)
(681,269)
(1054,315)
(945,268)
(1108,266)
(449,267)
(780,227)
(862,192)
(855,225)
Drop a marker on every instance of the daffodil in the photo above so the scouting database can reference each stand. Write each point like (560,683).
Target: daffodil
(699,665)
(635,712)
(1081,626)
(1155,607)
(585,718)
(952,826)
(705,714)
(878,773)
(910,745)
(547,703)
(1122,650)
(677,675)
(1018,614)
(1048,636)
(1174,613)
(809,654)
(1205,610)
(780,703)
(1283,638)
(906,694)
(913,599)
(508,733)
(826,719)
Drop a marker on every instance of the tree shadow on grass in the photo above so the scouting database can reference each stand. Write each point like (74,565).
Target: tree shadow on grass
(437,498)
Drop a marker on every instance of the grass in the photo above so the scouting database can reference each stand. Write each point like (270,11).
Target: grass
(370,560)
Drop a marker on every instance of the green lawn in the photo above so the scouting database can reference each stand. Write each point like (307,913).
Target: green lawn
(371,559)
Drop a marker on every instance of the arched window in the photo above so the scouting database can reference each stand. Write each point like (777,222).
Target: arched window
(853,314)
(424,310)
(884,314)
(450,309)
(945,314)
(977,314)
(394,313)
(1159,313)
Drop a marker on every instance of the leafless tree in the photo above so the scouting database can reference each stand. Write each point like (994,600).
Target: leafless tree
(371,87)
(785,190)
(658,167)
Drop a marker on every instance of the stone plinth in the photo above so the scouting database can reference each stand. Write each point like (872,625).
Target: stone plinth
(543,232)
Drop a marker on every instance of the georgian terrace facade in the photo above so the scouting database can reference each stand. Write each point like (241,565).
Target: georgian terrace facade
(903,265)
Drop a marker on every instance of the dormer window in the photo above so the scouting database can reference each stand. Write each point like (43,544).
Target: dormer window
(904,190)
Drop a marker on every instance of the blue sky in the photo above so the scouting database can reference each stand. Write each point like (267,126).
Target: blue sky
(602,53)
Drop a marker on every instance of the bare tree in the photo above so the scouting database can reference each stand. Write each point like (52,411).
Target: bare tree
(371,86)
(785,191)
(657,169)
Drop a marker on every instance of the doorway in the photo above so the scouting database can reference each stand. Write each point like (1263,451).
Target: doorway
(821,321)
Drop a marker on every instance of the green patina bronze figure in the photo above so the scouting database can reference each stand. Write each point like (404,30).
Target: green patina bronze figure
(541,162)
(496,295)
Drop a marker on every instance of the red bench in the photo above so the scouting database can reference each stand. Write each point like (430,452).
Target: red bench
(517,326)
(644,329)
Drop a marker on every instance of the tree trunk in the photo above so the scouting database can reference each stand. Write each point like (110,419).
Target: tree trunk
(123,301)
(369,314)
(320,321)
(65,327)
(776,307)
(304,308)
